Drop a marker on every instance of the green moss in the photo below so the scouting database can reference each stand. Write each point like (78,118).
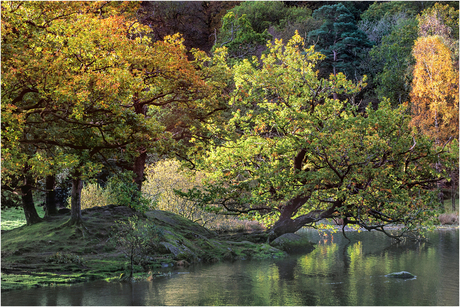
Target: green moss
(76,254)
(20,281)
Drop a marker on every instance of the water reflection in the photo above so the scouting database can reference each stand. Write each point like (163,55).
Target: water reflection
(337,272)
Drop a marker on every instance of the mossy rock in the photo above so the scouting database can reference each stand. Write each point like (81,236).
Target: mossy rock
(292,243)
(185,226)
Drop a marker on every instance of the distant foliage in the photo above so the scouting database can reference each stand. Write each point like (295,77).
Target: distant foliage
(265,14)
(93,195)
(163,178)
(340,40)
(247,27)
(120,190)
(239,37)
(393,57)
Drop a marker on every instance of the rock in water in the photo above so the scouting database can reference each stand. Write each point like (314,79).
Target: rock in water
(292,243)
(402,274)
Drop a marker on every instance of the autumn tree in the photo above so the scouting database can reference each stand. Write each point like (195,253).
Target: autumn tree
(295,157)
(434,94)
(83,84)
(442,20)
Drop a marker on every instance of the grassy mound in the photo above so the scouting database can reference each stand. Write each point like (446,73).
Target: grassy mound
(51,253)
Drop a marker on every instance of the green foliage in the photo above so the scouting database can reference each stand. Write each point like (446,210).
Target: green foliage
(239,37)
(379,10)
(299,154)
(136,239)
(120,190)
(93,195)
(265,14)
(245,27)
(394,56)
(123,191)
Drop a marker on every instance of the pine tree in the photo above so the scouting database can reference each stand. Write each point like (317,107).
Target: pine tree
(340,39)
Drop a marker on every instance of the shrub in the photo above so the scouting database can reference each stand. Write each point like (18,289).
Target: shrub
(120,190)
(123,191)
(93,195)
(166,176)
(136,239)
(448,218)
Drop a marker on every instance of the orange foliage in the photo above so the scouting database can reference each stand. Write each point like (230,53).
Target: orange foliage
(434,94)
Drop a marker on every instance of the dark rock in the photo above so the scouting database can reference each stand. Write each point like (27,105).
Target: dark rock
(63,211)
(402,274)
(292,243)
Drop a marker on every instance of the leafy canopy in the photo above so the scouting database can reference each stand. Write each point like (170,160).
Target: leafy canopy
(297,156)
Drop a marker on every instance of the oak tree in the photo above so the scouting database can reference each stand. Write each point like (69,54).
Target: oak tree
(295,157)
(83,84)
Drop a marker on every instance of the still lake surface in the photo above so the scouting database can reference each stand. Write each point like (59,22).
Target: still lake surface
(337,272)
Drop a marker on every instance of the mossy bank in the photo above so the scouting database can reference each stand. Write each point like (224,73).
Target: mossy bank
(50,253)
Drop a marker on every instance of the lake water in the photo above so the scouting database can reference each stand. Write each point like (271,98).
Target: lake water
(337,272)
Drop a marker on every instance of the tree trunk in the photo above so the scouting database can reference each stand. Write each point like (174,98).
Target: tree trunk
(138,169)
(28,202)
(50,202)
(454,180)
(286,224)
(75,204)
(334,95)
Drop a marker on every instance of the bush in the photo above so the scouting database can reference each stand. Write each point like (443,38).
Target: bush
(120,190)
(93,195)
(166,176)
(123,191)
(136,239)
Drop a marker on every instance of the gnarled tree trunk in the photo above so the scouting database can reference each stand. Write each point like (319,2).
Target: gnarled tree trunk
(286,224)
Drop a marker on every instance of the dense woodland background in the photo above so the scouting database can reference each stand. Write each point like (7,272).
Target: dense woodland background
(101,92)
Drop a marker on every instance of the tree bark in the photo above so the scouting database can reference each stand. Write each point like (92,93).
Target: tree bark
(138,169)
(28,202)
(75,204)
(50,201)
(454,180)
(286,224)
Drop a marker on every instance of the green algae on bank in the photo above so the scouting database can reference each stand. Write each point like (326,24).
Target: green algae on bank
(50,253)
